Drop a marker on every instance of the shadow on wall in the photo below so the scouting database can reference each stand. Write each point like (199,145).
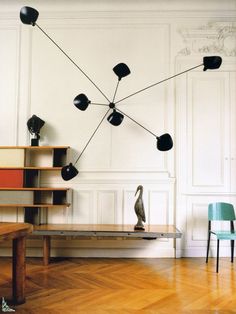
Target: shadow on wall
(48,134)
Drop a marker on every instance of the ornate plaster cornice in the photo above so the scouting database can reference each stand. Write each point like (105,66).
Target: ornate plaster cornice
(215,37)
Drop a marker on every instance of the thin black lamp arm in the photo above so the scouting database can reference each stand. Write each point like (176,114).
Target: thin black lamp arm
(97,104)
(137,123)
(115,91)
(73,62)
(152,85)
(92,136)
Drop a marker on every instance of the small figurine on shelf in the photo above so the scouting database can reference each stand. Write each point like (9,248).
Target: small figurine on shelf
(34,125)
(139,209)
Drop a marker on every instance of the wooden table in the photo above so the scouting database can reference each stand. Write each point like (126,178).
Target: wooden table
(150,232)
(17,232)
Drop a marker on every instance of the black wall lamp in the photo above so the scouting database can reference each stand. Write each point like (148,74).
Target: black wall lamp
(164,142)
(34,125)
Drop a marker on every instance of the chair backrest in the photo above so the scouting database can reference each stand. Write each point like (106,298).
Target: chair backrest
(221,211)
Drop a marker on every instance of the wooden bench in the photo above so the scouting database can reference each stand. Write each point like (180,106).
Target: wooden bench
(127,231)
(17,232)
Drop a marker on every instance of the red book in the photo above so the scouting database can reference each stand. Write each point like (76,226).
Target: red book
(11,178)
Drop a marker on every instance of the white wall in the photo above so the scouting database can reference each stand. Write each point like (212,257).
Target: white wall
(156,39)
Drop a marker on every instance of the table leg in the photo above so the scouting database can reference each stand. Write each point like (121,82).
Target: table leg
(18,270)
(46,250)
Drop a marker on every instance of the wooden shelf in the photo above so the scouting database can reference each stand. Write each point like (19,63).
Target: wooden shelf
(31,168)
(34,189)
(35,205)
(108,230)
(35,147)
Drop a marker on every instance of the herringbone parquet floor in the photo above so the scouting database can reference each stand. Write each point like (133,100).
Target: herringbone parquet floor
(125,286)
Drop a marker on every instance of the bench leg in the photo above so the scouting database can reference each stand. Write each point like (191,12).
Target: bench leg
(18,270)
(46,250)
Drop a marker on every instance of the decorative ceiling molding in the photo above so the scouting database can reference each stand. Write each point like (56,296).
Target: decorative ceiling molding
(132,15)
(215,37)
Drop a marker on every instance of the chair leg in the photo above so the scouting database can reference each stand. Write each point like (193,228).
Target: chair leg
(232,251)
(208,246)
(217,257)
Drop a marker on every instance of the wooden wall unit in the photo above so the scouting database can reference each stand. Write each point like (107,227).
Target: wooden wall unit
(24,165)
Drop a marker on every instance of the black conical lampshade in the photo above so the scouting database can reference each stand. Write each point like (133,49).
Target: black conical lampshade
(69,172)
(34,125)
(164,142)
(212,63)
(28,15)
(115,118)
(121,70)
(81,102)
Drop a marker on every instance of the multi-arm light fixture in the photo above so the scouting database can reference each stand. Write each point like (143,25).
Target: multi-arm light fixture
(164,142)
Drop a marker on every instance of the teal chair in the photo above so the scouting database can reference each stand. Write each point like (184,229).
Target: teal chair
(222,212)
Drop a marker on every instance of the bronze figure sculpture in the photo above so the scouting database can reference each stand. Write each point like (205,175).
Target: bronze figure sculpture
(139,209)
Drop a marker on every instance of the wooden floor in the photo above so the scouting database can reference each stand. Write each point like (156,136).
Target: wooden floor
(120,286)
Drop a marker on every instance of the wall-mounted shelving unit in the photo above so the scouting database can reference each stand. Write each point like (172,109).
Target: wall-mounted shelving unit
(20,180)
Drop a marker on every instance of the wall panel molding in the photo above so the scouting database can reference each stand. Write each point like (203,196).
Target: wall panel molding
(9,87)
(194,193)
(107,207)
(208,148)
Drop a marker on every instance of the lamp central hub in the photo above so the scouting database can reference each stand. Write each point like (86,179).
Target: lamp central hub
(112,105)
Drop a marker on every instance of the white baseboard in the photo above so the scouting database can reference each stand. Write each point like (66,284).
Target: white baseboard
(107,248)
(201,252)
(102,253)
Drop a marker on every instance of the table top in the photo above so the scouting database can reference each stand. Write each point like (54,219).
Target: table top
(12,230)
(151,231)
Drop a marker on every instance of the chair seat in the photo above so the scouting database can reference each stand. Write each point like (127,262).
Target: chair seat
(224,235)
